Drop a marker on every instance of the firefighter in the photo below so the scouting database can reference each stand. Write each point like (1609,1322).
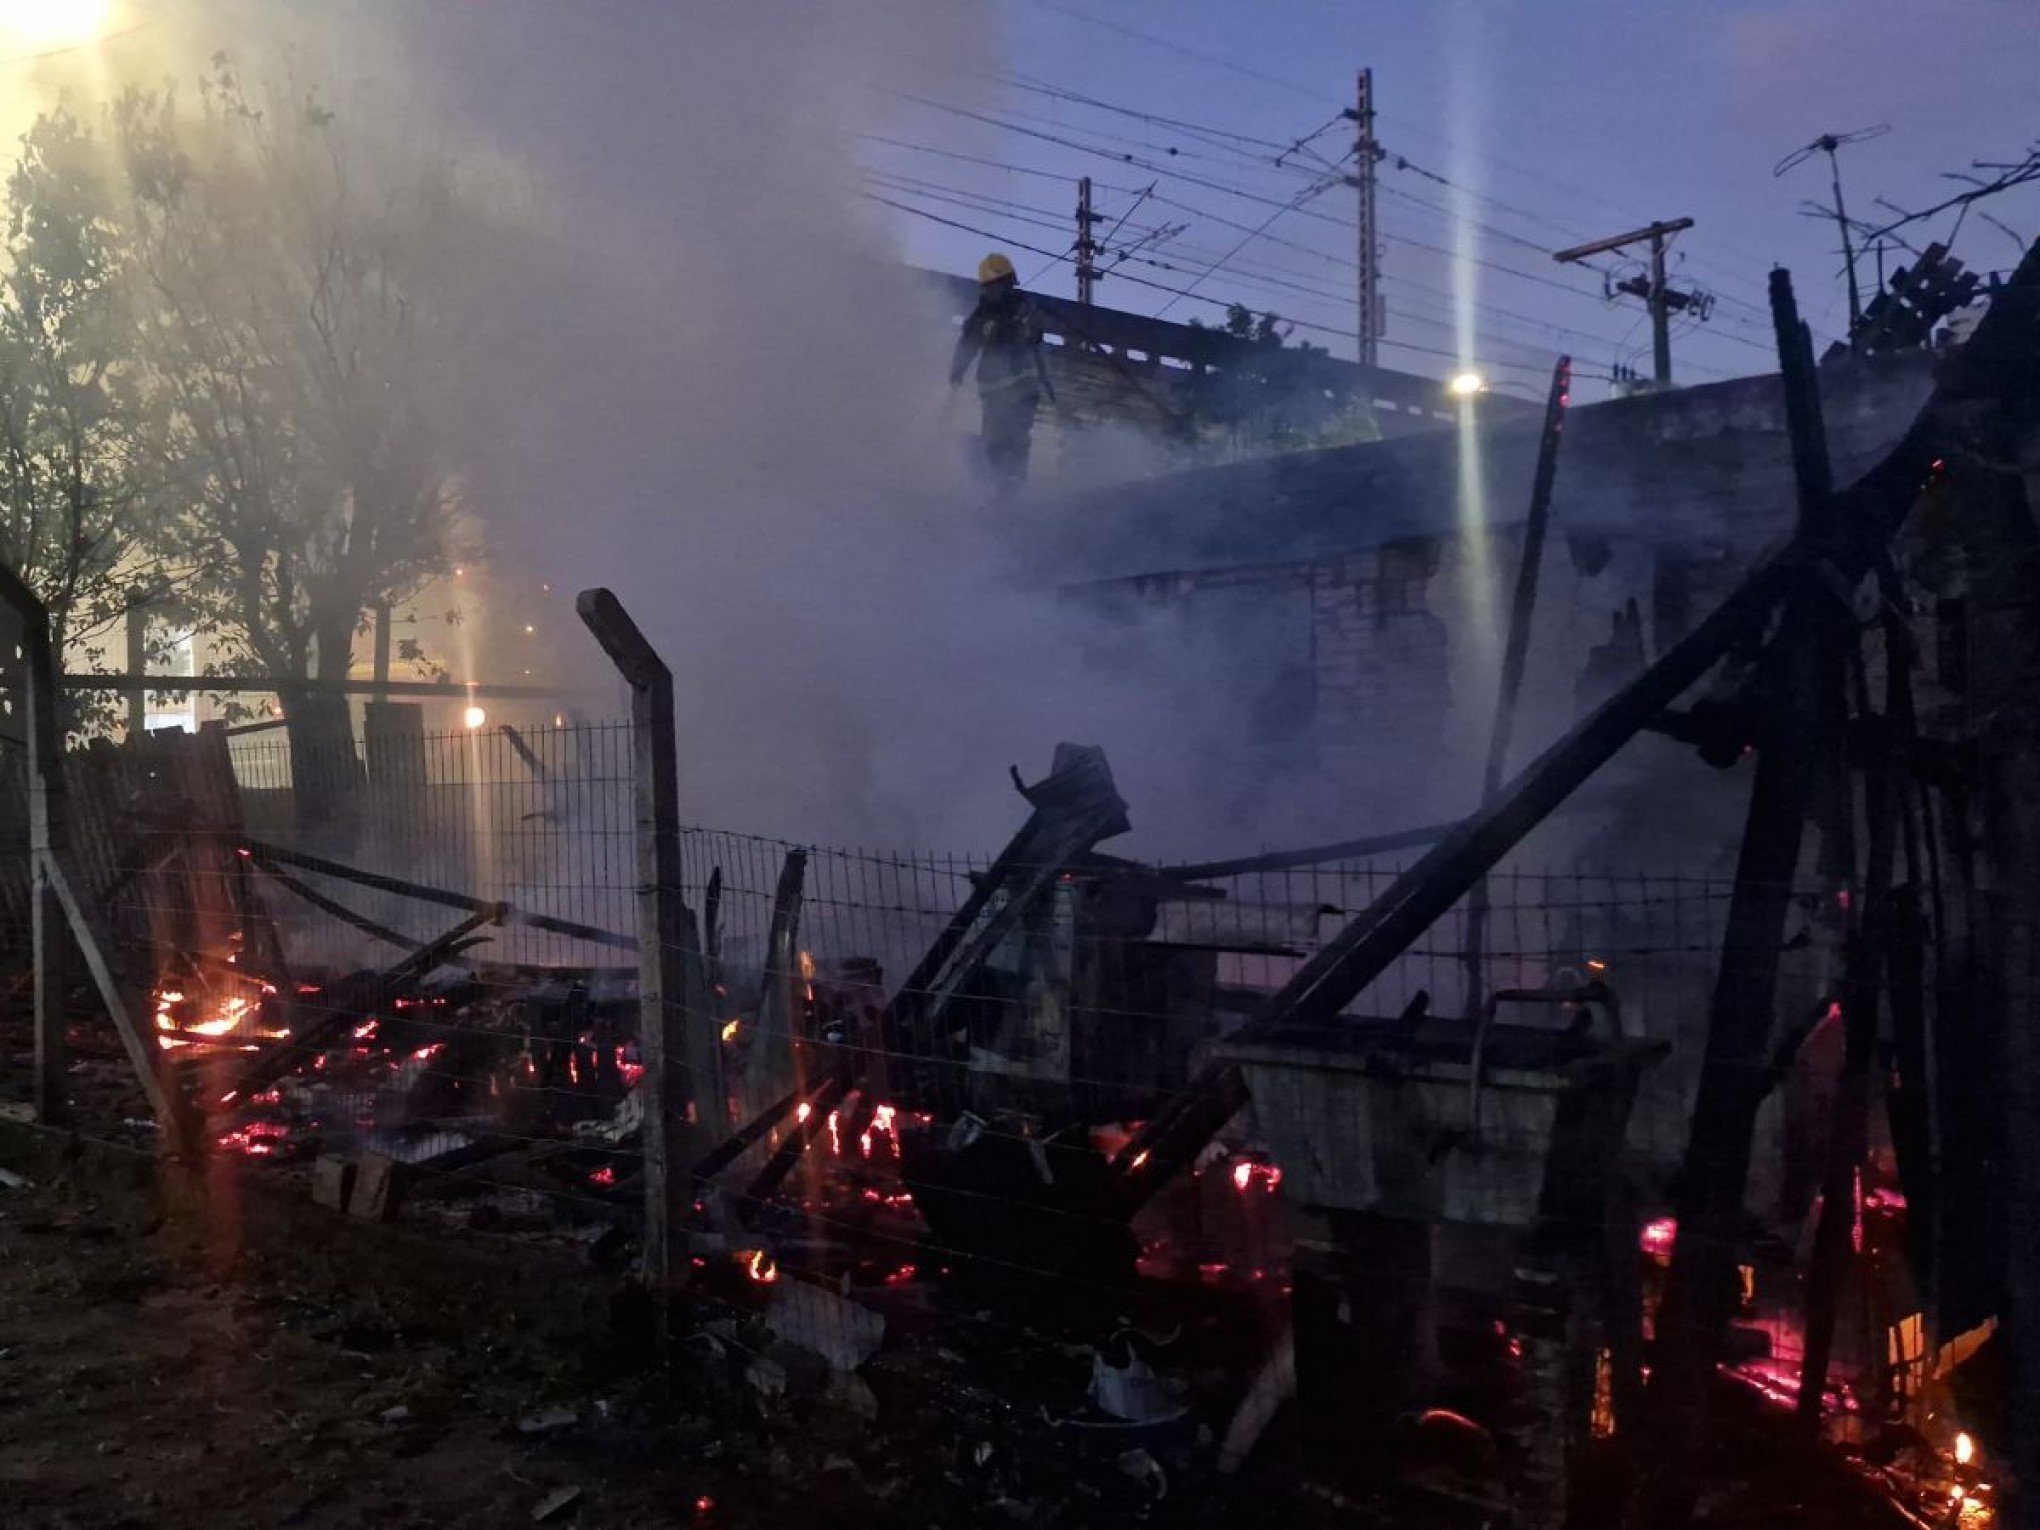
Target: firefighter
(1003,336)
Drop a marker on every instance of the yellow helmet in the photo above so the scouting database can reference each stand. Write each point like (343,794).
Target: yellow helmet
(994,267)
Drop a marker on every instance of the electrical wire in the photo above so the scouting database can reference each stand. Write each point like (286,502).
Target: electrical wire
(1305,324)
(1295,202)
(1276,282)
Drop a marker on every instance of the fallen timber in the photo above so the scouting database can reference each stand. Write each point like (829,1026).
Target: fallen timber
(1867,514)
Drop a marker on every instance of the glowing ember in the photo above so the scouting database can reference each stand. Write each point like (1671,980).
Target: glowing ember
(1245,1173)
(761,1268)
(427,1053)
(366,1030)
(630,1071)
(730,1029)
(258,1139)
(1659,1234)
(605,1176)
(233,1012)
(1965,1450)
(807,966)
(803,1112)
(883,1118)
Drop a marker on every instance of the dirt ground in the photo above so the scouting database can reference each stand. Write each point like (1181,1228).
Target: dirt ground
(154,1375)
(136,1390)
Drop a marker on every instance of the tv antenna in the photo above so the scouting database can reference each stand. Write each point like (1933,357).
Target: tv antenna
(1829,144)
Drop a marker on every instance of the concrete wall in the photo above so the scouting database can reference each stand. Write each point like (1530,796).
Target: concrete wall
(1707,469)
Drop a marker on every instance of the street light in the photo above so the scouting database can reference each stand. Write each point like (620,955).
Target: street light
(474,717)
(50,24)
(1467,384)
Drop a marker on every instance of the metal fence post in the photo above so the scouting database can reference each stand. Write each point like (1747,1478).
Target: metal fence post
(62,898)
(680,1048)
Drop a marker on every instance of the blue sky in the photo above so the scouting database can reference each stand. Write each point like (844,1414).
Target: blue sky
(1553,121)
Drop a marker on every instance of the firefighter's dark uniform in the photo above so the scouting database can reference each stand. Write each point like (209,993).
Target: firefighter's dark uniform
(1003,335)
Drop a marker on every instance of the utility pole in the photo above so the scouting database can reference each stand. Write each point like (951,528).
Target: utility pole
(1659,298)
(1366,155)
(1087,247)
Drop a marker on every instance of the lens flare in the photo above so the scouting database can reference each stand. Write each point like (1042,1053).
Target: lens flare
(44,24)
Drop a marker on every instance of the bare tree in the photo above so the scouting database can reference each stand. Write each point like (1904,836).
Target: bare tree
(283,309)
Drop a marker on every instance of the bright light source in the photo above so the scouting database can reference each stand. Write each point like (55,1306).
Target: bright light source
(474,717)
(1467,384)
(1965,1450)
(46,24)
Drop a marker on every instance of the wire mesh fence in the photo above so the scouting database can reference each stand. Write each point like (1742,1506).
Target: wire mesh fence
(922,1062)
(537,817)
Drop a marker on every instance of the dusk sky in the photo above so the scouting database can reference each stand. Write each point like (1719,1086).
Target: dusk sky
(1554,121)
(1514,127)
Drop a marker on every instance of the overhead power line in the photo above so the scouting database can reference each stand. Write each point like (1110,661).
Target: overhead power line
(1036,216)
(1141,281)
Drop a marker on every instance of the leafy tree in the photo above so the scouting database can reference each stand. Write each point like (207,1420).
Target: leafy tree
(81,504)
(219,357)
(1268,398)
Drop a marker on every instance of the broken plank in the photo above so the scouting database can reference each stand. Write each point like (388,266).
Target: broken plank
(304,861)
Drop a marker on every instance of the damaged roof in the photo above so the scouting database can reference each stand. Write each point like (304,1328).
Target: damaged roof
(1705,466)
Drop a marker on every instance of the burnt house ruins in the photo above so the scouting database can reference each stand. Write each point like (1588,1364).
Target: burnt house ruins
(1661,1084)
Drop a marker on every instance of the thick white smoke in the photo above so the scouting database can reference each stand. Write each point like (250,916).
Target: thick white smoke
(690,368)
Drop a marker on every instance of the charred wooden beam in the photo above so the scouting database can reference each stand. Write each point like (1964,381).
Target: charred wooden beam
(775,1052)
(2001,358)
(1365,948)
(276,855)
(748,1135)
(334,907)
(825,1097)
(1315,855)
(1806,660)
(1075,806)
(524,752)
(345,1010)
(1516,652)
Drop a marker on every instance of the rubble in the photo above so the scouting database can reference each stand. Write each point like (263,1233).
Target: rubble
(842,1332)
(1134,1390)
(555,1505)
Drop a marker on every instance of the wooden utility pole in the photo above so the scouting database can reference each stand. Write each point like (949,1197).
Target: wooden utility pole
(1372,319)
(681,1048)
(1659,298)
(1087,246)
